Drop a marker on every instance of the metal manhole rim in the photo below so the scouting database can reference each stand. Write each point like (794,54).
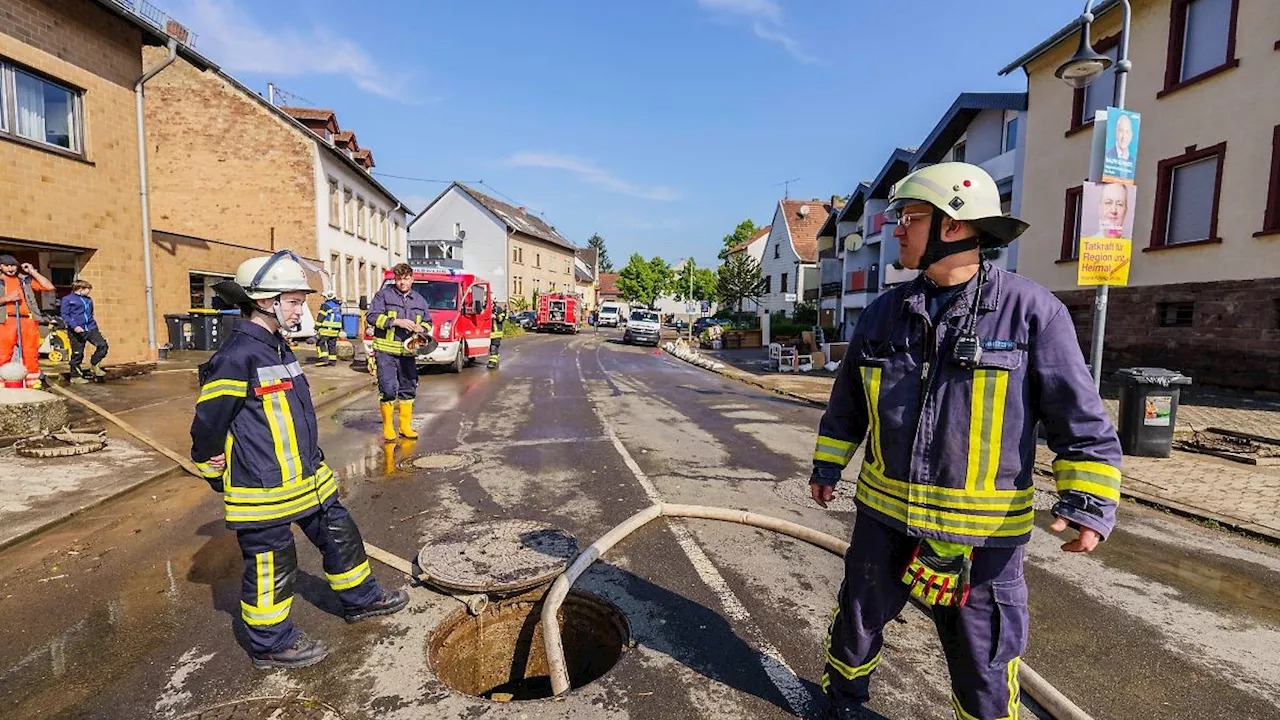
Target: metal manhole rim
(77,443)
(421,461)
(451,543)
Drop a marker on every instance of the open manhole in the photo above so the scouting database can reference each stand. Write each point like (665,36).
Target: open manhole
(437,461)
(797,492)
(499,654)
(497,556)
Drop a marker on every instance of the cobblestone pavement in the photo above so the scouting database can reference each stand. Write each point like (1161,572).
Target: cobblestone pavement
(1236,494)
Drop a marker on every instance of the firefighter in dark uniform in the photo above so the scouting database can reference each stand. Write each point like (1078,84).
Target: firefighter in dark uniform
(254,439)
(328,327)
(495,336)
(946,377)
(398,314)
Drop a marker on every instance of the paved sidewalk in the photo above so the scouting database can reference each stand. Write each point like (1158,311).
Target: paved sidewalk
(35,494)
(1234,494)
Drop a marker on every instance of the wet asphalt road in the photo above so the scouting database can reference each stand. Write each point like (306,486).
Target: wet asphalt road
(1168,619)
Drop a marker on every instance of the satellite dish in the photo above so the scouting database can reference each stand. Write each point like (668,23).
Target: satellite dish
(462,234)
(804,210)
(853,241)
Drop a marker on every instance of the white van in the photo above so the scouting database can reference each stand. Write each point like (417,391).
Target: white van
(612,314)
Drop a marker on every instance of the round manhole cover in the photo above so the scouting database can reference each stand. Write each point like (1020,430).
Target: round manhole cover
(288,707)
(497,556)
(797,493)
(437,461)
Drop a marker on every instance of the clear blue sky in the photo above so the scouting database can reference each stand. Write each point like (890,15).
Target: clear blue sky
(658,124)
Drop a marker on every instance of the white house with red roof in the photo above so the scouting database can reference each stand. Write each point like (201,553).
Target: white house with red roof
(790,261)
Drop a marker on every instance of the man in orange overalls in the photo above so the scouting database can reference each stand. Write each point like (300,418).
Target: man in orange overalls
(20,314)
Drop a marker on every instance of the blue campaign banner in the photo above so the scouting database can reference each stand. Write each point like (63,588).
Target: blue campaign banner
(1120,162)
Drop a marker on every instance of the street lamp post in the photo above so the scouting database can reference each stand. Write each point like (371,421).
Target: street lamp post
(1082,69)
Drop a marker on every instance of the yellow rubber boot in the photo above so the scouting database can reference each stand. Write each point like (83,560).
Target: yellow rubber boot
(388,421)
(406,419)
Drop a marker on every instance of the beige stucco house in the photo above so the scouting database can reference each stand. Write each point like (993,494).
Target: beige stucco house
(1204,288)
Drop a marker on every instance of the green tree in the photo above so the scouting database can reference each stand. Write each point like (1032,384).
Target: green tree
(740,234)
(644,281)
(597,242)
(704,282)
(739,279)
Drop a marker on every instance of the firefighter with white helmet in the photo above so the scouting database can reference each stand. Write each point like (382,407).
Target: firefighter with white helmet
(254,438)
(946,379)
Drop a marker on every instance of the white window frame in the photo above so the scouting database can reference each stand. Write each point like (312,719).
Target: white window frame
(9,109)
(1004,144)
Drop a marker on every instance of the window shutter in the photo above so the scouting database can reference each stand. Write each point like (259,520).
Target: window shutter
(1191,201)
(1204,46)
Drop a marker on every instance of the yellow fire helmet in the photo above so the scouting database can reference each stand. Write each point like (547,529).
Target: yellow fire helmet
(963,192)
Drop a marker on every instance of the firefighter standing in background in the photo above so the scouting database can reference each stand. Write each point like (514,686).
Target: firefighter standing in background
(495,336)
(947,377)
(397,313)
(20,316)
(328,326)
(254,439)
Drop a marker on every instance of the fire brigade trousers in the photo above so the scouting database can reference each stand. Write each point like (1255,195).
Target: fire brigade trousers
(397,376)
(271,568)
(983,640)
(495,345)
(30,343)
(327,348)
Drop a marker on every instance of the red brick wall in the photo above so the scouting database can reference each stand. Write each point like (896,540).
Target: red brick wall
(1234,339)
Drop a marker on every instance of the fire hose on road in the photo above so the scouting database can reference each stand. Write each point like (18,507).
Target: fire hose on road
(1049,697)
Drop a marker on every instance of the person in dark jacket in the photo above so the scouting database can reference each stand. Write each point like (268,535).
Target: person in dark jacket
(495,335)
(328,327)
(254,439)
(397,314)
(947,377)
(82,327)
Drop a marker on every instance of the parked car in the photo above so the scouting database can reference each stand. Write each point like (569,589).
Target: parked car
(704,322)
(527,319)
(643,326)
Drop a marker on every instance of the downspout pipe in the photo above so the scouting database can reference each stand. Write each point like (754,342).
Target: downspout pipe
(142,194)
(391,241)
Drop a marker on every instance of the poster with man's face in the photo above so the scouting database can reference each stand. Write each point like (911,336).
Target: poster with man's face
(1106,210)
(1120,162)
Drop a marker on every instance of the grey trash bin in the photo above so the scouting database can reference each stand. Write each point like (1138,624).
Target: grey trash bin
(1148,409)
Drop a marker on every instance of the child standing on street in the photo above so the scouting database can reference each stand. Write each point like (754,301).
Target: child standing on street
(82,327)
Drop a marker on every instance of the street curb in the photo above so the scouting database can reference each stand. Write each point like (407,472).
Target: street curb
(8,542)
(327,405)
(744,378)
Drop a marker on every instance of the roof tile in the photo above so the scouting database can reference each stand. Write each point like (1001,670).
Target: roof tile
(803,225)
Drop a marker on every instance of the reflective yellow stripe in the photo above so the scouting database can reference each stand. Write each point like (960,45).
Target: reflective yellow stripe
(381,321)
(265,615)
(350,578)
(226,474)
(1015,699)
(1011,523)
(852,673)
(954,498)
(273,511)
(986,427)
(222,388)
(832,450)
(266,578)
(208,470)
(1090,477)
(275,406)
(388,346)
(871,386)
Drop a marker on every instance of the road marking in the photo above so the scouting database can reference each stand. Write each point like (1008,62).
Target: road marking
(789,685)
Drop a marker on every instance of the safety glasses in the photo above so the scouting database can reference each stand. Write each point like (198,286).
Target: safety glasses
(895,215)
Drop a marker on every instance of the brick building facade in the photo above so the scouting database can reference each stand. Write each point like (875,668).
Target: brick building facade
(69,188)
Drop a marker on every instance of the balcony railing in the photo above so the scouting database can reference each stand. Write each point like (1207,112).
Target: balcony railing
(831,289)
(810,294)
(160,19)
(866,280)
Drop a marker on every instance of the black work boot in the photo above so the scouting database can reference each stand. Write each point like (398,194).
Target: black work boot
(838,710)
(391,601)
(305,652)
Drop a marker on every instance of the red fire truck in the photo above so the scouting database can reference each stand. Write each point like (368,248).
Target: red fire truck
(461,317)
(559,312)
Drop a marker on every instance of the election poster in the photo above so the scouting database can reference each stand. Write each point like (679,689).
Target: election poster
(1106,234)
(1120,160)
